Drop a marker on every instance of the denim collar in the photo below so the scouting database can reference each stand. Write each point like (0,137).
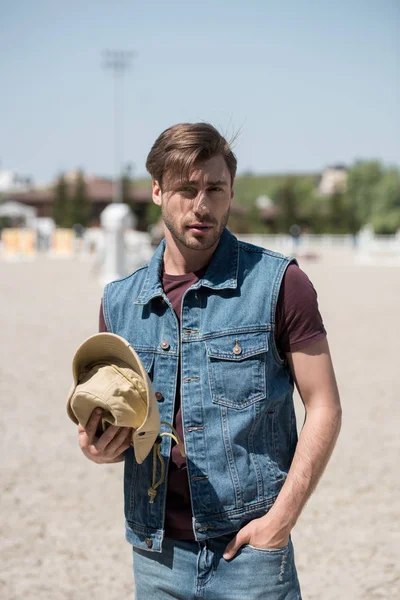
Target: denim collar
(221,272)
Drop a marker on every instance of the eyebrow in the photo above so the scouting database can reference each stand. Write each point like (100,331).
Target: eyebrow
(218,182)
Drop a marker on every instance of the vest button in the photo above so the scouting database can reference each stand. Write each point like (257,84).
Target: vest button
(148,542)
(159,397)
(164,345)
(237,349)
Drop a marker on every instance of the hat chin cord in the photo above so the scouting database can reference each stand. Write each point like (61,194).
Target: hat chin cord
(152,491)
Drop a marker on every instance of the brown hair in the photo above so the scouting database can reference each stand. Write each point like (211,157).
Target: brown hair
(179,147)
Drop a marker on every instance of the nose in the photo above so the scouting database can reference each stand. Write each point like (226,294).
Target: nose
(200,204)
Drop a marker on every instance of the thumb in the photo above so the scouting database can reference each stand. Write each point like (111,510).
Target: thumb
(234,545)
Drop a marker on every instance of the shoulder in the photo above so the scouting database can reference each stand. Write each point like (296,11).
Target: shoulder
(252,256)
(117,295)
(298,320)
(130,280)
(246,247)
(296,282)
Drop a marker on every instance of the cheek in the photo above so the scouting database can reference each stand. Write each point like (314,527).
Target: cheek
(176,208)
(222,208)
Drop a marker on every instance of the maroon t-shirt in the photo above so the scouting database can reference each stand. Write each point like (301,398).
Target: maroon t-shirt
(298,324)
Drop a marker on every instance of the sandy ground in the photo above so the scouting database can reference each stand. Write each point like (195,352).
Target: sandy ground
(62,531)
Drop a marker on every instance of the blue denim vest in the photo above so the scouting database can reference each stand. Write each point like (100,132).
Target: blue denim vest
(236,392)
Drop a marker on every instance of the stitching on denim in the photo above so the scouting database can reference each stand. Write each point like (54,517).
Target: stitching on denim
(253,458)
(229,456)
(233,331)
(132,486)
(106,313)
(274,301)
(254,249)
(222,401)
(163,488)
(277,284)
(215,352)
(273,435)
(264,505)
(157,351)
(143,529)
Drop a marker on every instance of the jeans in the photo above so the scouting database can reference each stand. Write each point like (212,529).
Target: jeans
(189,570)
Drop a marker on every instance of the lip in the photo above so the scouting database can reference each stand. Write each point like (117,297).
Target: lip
(199,227)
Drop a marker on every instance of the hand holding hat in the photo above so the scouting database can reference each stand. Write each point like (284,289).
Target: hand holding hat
(107,448)
(108,374)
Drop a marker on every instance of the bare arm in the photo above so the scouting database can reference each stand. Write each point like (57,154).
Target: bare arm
(313,374)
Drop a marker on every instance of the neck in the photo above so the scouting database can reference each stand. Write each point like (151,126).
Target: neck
(178,259)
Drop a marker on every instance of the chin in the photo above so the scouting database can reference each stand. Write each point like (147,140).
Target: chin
(197,244)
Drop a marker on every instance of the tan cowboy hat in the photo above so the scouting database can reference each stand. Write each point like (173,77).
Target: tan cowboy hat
(108,374)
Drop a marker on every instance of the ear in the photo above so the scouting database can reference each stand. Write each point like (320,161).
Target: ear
(232,195)
(156,192)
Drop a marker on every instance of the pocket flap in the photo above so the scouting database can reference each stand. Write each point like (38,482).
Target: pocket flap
(238,346)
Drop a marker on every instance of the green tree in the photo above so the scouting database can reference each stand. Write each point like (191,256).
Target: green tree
(287,203)
(79,206)
(342,218)
(61,202)
(385,216)
(363,178)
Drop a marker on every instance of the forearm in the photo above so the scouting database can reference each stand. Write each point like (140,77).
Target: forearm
(316,442)
(314,448)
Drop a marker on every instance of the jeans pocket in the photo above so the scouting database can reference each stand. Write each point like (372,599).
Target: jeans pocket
(268,550)
(278,568)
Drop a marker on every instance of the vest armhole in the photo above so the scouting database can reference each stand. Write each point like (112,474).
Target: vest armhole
(106,312)
(275,295)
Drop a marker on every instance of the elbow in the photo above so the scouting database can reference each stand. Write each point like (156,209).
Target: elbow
(337,417)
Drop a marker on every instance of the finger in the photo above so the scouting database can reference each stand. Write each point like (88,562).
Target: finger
(92,424)
(121,442)
(234,546)
(82,436)
(109,434)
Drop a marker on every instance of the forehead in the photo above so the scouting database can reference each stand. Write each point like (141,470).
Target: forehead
(213,169)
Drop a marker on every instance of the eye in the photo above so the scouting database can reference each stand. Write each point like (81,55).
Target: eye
(215,188)
(188,192)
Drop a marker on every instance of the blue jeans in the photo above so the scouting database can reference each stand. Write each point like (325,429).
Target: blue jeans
(189,570)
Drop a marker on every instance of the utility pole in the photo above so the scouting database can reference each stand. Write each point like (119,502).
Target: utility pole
(118,61)
(117,216)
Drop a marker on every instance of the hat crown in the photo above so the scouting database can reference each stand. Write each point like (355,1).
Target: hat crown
(116,388)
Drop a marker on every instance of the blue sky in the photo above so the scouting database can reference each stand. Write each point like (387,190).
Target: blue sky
(308,83)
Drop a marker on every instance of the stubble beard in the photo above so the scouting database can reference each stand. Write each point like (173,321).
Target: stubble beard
(187,239)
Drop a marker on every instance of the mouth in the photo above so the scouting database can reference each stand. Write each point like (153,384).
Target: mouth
(199,227)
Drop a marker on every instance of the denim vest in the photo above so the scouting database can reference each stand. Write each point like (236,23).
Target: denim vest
(236,392)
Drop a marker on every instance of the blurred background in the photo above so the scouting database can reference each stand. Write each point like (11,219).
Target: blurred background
(310,91)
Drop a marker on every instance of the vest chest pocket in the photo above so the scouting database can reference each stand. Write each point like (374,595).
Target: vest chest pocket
(236,369)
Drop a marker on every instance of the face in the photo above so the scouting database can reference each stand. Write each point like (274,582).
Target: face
(196,211)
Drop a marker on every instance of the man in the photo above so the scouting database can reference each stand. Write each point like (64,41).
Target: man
(223,328)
